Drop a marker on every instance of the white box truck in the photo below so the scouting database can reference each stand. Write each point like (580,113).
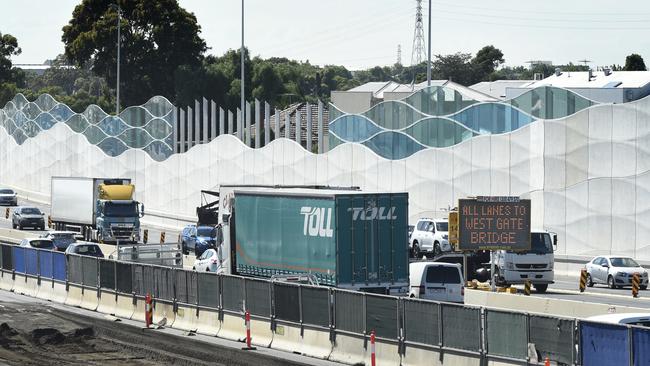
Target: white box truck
(101,209)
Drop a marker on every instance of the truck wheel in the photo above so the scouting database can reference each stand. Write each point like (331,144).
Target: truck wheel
(541,288)
(415,252)
(436,249)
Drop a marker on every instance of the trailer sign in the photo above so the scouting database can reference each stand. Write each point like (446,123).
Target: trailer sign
(490,223)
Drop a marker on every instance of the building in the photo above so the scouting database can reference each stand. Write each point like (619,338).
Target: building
(605,86)
(497,89)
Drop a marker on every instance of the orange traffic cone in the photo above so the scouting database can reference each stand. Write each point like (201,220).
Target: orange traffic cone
(547,362)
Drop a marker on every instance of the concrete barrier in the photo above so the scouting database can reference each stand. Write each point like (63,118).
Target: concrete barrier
(31,286)
(124,307)
(162,311)
(232,327)
(107,302)
(74,296)
(45,290)
(185,318)
(313,343)
(542,305)
(208,322)
(416,356)
(59,294)
(351,350)
(261,333)
(89,299)
(20,285)
(6,281)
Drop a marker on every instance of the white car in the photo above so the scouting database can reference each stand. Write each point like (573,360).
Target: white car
(430,236)
(436,281)
(615,271)
(38,243)
(642,319)
(207,262)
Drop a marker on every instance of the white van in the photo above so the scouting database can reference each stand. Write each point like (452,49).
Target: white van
(437,281)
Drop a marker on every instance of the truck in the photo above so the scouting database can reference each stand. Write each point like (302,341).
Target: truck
(345,238)
(100,209)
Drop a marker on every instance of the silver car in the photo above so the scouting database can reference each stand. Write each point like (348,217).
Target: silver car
(28,217)
(8,197)
(615,272)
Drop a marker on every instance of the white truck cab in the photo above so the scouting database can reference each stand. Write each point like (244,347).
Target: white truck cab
(430,237)
(535,265)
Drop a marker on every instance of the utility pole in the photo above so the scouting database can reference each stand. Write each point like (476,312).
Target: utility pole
(243,101)
(119,38)
(399,54)
(418,54)
(429,45)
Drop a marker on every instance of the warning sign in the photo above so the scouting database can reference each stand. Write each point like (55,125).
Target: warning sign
(494,223)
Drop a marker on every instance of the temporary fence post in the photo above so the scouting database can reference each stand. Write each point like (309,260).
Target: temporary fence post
(148,311)
(372,348)
(248,332)
(583,280)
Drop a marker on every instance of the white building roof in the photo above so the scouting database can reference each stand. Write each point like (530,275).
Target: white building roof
(580,79)
(379,88)
(497,89)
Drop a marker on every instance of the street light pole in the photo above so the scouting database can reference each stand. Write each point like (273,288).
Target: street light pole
(243,115)
(119,18)
(429,44)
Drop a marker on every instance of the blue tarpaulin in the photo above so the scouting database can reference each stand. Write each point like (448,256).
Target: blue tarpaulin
(604,344)
(641,346)
(19,259)
(45,263)
(58,268)
(31,256)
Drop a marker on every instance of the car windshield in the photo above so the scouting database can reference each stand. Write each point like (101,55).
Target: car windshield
(206,231)
(88,250)
(30,211)
(540,243)
(6,191)
(442,226)
(41,244)
(624,262)
(120,210)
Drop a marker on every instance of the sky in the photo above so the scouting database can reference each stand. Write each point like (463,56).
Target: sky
(363,33)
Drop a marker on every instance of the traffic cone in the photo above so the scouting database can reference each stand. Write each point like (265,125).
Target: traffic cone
(547,362)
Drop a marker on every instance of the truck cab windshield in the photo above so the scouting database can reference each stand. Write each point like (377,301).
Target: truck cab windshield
(540,243)
(120,209)
(207,231)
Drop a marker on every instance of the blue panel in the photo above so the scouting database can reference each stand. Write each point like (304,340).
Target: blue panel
(45,263)
(490,118)
(19,259)
(641,346)
(354,128)
(604,344)
(59,264)
(31,256)
(393,145)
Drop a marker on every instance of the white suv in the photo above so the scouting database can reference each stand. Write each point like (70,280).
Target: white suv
(430,237)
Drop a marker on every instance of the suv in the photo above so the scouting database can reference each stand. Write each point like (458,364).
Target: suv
(198,239)
(430,236)
(8,197)
(28,217)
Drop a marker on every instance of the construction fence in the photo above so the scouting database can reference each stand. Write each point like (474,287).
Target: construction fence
(284,313)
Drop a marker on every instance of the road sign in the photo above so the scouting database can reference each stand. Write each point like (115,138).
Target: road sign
(453,228)
(492,223)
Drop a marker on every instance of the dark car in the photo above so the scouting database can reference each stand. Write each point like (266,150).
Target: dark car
(8,197)
(28,217)
(89,249)
(198,239)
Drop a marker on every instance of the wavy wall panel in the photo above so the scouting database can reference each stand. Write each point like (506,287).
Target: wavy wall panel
(587,174)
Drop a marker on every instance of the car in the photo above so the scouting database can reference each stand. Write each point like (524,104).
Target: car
(27,216)
(61,239)
(198,239)
(615,271)
(436,281)
(411,228)
(8,197)
(430,236)
(208,261)
(83,248)
(642,319)
(38,243)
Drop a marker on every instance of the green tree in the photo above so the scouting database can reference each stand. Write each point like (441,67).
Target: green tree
(268,85)
(157,38)
(10,79)
(486,61)
(634,62)
(455,67)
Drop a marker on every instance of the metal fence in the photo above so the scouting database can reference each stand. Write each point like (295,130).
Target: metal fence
(410,323)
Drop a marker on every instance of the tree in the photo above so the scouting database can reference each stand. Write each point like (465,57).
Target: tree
(10,79)
(456,67)
(267,81)
(486,61)
(157,38)
(634,62)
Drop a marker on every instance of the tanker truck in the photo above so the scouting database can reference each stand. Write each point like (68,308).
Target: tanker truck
(344,238)
(100,209)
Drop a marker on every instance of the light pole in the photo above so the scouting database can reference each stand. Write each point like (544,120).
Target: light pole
(429,53)
(119,19)
(243,113)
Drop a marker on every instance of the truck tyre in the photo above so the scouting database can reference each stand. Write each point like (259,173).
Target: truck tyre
(590,281)
(541,288)
(436,249)
(415,252)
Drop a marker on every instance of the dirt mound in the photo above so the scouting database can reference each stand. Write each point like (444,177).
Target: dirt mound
(45,336)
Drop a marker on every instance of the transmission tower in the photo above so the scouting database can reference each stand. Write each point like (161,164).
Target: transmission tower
(419,54)
(399,54)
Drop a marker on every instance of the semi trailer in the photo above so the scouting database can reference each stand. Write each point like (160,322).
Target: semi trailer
(100,209)
(344,238)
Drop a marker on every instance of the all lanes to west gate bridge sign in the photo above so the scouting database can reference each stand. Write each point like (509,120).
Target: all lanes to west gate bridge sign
(494,223)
